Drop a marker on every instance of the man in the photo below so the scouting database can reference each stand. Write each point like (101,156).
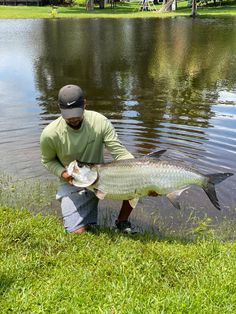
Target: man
(80,134)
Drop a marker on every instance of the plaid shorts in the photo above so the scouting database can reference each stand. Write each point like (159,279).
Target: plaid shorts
(79,207)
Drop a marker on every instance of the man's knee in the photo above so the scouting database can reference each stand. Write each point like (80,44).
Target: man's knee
(79,210)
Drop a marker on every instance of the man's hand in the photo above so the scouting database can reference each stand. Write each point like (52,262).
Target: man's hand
(68,178)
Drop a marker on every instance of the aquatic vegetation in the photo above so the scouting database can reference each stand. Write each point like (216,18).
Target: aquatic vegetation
(33,194)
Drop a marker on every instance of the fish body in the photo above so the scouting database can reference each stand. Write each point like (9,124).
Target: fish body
(134,178)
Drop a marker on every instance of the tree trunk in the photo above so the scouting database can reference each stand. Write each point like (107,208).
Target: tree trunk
(90,5)
(174,5)
(101,4)
(194,8)
(166,6)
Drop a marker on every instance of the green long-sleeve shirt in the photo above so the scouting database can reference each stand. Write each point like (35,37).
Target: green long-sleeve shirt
(60,144)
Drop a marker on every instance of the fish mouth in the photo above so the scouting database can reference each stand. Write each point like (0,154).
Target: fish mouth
(73,168)
(82,176)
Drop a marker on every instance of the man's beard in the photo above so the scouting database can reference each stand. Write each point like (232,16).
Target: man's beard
(75,127)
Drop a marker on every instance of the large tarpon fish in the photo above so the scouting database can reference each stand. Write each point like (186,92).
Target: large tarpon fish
(134,178)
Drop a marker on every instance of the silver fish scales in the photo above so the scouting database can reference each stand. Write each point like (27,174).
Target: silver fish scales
(134,178)
(125,179)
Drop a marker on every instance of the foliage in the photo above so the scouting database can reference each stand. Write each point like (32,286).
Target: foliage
(80,2)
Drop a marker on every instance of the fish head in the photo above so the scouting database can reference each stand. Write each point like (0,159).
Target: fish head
(83,176)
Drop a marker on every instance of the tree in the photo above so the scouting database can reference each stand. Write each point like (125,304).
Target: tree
(101,4)
(167,6)
(194,8)
(90,5)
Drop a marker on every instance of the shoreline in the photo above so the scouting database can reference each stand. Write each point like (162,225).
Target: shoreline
(122,11)
(38,197)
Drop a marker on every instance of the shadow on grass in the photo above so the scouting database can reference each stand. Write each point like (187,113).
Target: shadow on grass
(145,237)
(119,9)
(5,283)
(189,230)
(127,8)
(219,4)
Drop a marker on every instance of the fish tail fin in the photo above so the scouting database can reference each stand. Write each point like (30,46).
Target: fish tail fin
(210,188)
(211,193)
(216,178)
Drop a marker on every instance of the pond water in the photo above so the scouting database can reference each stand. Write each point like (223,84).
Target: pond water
(164,83)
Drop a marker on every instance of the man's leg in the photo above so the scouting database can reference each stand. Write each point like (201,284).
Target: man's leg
(125,211)
(122,222)
(79,208)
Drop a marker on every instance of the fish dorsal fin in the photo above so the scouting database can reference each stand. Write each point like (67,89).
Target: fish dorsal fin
(156,154)
(173,197)
(133,203)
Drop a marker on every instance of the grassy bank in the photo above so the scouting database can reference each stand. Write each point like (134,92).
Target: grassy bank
(122,10)
(43,270)
(38,196)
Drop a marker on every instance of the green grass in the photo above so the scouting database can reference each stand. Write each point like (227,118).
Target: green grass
(122,10)
(44,270)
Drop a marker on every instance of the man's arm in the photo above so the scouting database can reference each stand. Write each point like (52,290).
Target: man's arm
(113,144)
(49,156)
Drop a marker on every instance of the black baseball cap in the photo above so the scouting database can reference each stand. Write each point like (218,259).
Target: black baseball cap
(71,101)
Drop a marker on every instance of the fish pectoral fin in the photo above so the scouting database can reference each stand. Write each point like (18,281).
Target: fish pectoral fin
(133,203)
(101,195)
(173,197)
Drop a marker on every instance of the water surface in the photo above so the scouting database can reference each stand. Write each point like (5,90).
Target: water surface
(164,83)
